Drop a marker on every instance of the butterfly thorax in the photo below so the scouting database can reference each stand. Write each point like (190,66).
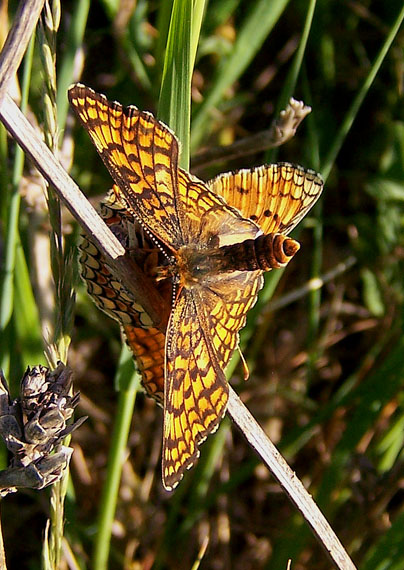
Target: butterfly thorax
(195,264)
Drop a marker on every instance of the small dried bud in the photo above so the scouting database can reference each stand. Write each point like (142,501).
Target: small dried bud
(34,425)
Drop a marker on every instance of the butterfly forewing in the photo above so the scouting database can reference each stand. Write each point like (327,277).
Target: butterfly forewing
(208,215)
(196,390)
(141,155)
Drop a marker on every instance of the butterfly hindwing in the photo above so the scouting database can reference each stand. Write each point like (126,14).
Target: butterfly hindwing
(202,335)
(145,341)
(275,196)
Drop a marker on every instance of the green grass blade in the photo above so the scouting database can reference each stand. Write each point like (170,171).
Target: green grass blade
(196,23)
(163,25)
(4,178)
(289,86)
(175,94)
(26,314)
(12,239)
(129,382)
(74,42)
(258,25)
(314,297)
(219,12)
(329,160)
(291,80)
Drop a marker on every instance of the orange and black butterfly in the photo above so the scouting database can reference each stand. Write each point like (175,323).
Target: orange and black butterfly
(219,238)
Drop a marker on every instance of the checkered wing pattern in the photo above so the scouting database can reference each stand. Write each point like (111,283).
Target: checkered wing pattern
(146,342)
(275,196)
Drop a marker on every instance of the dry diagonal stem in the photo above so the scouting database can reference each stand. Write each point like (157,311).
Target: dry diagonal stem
(289,481)
(313,284)
(144,291)
(17,40)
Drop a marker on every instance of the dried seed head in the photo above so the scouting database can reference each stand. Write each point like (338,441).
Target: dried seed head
(34,425)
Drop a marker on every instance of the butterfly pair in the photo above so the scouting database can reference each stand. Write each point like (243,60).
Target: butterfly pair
(219,238)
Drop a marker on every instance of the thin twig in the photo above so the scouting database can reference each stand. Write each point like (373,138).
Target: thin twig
(60,262)
(282,129)
(3,563)
(288,480)
(17,41)
(312,285)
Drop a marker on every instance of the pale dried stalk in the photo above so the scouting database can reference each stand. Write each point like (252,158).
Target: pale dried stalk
(289,482)
(17,41)
(59,262)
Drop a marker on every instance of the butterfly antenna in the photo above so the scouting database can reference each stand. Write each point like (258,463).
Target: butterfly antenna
(244,364)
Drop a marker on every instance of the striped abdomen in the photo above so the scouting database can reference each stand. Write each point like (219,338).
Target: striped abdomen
(265,252)
(270,251)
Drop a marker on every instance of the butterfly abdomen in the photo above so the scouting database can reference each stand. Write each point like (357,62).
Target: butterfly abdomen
(265,252)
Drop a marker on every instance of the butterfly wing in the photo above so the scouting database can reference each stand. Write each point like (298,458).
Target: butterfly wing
(203,332)
(275,196)
(209,218)
(141,155)
(196,391)
(201,337)
(147,346)
(146,342)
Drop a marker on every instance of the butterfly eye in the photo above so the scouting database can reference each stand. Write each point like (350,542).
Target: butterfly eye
(213,241)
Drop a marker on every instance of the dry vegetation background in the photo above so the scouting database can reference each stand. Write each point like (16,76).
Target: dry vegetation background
(326,370)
